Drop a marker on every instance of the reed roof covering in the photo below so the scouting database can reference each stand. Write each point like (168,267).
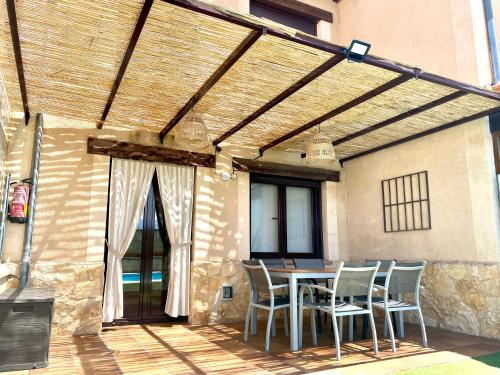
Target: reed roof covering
(72,52)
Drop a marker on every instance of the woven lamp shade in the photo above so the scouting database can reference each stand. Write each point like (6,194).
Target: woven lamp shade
(320,149)
(192,133)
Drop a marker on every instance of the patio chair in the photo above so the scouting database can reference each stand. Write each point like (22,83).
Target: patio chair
(312,263)
(349,282)
(262,296)
(276,263)
(402,278)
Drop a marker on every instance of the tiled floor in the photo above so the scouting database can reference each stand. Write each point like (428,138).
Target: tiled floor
(219,349)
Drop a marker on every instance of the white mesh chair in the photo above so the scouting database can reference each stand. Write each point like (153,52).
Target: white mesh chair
(402,279)
(348,283)
(262,296)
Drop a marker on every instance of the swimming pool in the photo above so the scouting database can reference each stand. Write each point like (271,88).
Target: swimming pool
(132,278)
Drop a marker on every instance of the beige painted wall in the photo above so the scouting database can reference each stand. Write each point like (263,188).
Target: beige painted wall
(464,204)
(446,37)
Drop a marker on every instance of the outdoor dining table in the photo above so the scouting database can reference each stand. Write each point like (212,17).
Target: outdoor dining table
(294,274)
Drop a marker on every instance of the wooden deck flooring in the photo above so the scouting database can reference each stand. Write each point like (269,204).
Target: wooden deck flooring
(219,349)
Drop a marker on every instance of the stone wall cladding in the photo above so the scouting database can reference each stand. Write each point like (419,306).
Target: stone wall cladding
(78,295)
(206,304)
(462,297)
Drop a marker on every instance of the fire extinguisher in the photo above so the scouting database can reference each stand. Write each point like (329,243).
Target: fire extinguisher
(18,212)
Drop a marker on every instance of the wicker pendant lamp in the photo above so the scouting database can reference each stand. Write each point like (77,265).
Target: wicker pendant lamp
(192,133)
(320,149)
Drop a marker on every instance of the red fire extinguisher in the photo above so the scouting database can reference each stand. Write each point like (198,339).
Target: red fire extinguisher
(18,212)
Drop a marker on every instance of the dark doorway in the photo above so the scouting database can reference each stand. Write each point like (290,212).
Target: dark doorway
(146,264)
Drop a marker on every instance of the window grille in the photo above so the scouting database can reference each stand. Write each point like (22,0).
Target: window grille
(406,203)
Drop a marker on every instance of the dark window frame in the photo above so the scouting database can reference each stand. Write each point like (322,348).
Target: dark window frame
(286,15)
(316,223)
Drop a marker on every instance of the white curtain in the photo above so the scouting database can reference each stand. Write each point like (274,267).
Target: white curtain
(176,187)
(130,183)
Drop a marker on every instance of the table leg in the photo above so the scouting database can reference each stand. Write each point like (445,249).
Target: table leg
(294,329)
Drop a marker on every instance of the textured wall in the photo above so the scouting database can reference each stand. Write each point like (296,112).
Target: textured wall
(463,198)
(462,297)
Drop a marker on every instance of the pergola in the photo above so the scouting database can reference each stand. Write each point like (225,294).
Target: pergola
(144,64)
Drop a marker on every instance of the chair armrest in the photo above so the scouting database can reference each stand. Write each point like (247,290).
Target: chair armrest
(379,288)
(278,286)
(319,287)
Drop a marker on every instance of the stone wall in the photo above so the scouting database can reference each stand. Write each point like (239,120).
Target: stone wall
(462,297)
(206,304)
(78,293)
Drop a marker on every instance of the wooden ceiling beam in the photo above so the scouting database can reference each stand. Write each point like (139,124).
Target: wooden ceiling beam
(285,94)
(251,38)
(278,169)
(16,43)
(127,150)
(424,133)
(401,116)
(337,111)
(126,59)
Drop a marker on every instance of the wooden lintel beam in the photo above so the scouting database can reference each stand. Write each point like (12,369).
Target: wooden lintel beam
(16,44)
(308,40)
(424,133)
(126,59)
(285,94)
(402,116)
(126,150)
(337,111)
(277,169)
(251,38)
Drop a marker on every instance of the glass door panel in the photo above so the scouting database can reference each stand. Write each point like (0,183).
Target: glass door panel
(299,220)
(160,261)
(145,264)
(264,218)
(132,274)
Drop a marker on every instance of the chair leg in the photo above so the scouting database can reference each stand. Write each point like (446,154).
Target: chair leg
(422,326)
(247,321)
(285,321)
(337,339)
(273,326)
(301,324)
(268,330)
(385,325)
(341,328)
(391,329)
(374,333)
(313,328)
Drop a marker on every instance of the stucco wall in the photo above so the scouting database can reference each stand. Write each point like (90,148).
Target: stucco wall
(446,37)
(463,200)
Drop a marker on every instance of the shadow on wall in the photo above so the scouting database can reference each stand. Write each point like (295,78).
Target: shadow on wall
(220,229)
(71,199)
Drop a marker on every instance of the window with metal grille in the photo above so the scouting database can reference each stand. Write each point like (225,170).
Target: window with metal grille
(406,203)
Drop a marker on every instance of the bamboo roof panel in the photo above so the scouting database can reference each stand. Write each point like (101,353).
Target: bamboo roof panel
(71,52)
(409,95)
(267,69)
(7,66)
(430,119)
(176,53)
(339,85)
